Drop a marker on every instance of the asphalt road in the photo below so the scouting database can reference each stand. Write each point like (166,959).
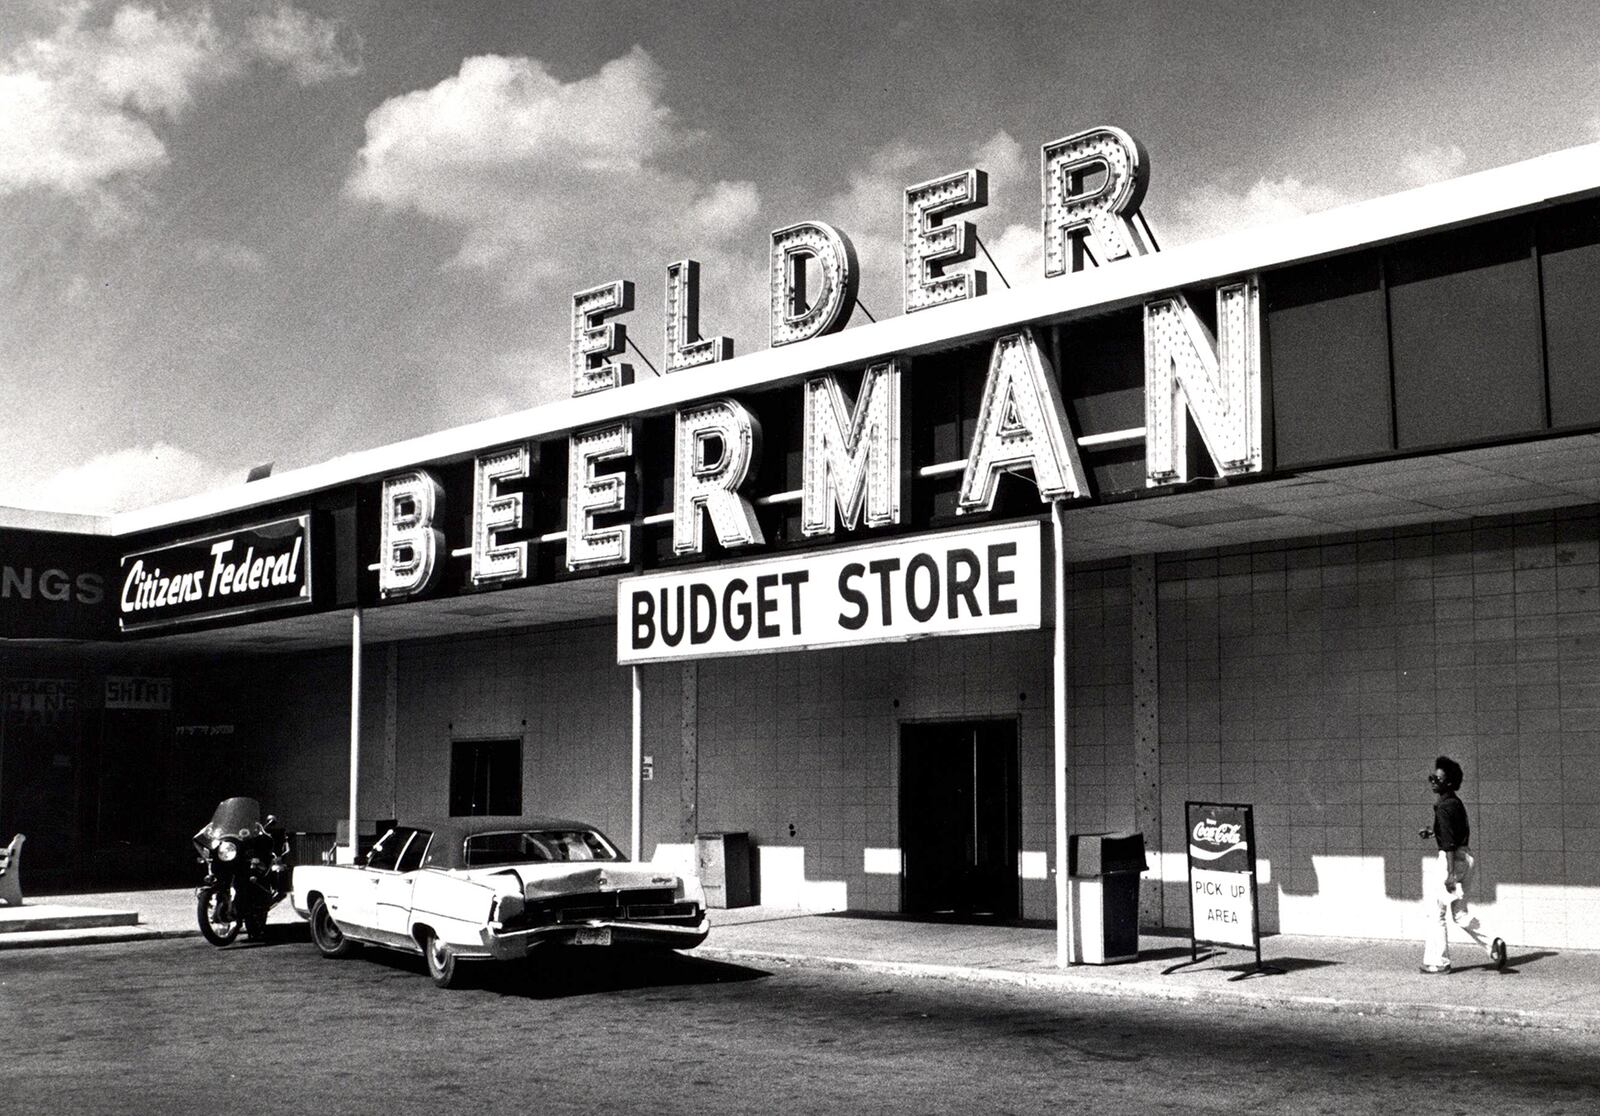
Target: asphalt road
(178,1026)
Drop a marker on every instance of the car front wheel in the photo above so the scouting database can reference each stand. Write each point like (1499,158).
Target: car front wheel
(441,961)
(325,932)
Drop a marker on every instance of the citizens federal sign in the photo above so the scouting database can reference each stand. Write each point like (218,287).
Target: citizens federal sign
(252,569)
(957,582)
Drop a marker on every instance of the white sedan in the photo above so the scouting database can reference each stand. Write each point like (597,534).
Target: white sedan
(474,888)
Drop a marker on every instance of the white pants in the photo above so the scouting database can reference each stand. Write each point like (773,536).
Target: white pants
(1447,893)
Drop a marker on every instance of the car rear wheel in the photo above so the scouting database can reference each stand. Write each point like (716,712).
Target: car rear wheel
(329,939)
(441,961)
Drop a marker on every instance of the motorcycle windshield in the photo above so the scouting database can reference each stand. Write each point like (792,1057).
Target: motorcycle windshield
(235,817)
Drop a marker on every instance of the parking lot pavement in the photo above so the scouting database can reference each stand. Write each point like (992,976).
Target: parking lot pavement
(1539,987)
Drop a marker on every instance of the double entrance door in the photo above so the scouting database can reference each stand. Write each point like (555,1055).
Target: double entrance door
(959,819)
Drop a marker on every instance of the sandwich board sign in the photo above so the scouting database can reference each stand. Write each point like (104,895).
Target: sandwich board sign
(1222,877)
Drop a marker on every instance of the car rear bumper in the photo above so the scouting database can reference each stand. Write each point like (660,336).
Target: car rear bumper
(508,945)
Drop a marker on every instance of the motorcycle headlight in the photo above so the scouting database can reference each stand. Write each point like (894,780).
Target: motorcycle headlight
(227,850)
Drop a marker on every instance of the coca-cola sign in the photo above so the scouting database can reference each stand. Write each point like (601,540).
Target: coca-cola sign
(1222,886)
(1213,832)
(1217,839)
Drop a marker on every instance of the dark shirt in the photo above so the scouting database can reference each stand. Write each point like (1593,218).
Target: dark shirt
(1450,827)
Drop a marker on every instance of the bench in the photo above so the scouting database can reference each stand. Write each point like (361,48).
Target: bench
(11,873)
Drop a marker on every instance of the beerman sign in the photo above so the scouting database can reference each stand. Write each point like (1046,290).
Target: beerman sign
(953,583)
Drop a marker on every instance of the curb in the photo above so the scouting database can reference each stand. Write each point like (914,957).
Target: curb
(45,939)
(1178,993)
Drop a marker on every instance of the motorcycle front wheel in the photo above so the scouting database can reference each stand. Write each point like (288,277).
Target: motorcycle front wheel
(219,919)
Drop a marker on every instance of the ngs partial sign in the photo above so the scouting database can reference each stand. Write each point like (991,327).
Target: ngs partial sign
(952,583)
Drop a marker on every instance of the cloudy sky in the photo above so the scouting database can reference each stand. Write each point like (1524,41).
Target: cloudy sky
(282,230)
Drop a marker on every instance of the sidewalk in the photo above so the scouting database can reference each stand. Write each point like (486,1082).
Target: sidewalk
(1540,988)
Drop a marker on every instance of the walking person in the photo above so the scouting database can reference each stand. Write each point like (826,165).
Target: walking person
(1453,834)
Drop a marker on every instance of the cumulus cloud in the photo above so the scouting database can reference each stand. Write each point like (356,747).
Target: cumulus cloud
(313,50)
(122,480)
(545,177)
(80,109)
(1433,164)
(1019,254)
(554,186)
(870,211)
(1217,208)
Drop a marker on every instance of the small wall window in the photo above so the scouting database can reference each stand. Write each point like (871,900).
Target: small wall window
(485,777)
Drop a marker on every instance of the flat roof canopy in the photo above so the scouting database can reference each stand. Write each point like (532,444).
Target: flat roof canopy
(1440,490)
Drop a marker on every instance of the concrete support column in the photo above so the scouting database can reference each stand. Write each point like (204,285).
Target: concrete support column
(355,734)
(636,776)
(1066,947)
(391,724)
(689,761)
(1147,728)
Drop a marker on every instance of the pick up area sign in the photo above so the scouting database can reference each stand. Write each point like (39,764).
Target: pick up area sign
(1222,875)
(953,583)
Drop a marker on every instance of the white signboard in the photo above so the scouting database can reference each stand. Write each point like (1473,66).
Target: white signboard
(953,583)
(1224,908)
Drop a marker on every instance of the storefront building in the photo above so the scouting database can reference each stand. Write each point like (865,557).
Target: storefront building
(1275,518)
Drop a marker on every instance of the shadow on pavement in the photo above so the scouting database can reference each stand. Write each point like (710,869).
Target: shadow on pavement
(555,973)
(1527,958)
(278,933)
(1267,966)
(1163,954)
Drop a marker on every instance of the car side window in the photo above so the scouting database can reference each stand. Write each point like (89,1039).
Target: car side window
(411,859)
(386,853)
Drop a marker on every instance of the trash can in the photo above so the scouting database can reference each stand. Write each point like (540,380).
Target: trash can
(1104,870)
(723,860)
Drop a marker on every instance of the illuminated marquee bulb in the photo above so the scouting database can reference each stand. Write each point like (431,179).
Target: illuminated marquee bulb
(1219,380)
(853,455)
(1098,223)
(1022,425)
(930,246)
(685,348)
(493,511)
(408,541)
(593,342)
(589,494)
(717,444)
(796,313)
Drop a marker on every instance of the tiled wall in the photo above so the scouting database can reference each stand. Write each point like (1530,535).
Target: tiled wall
(1319,682)
(1316,681)
(811,740)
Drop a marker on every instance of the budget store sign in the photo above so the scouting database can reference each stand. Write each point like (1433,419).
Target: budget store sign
(952,583)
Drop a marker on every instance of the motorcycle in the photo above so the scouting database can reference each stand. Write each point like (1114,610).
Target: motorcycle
(247,871)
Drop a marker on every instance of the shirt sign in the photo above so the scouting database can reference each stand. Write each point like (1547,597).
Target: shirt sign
(266,566)
(1222,874)
(127,692)
(953,583)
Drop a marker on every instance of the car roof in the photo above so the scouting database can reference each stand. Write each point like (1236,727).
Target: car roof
(449,833)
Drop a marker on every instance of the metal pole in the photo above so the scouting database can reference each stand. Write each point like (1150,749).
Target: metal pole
(636,787)
(355,729)
(1066,948)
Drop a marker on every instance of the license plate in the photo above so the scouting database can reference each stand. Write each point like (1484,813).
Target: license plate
(599,937)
